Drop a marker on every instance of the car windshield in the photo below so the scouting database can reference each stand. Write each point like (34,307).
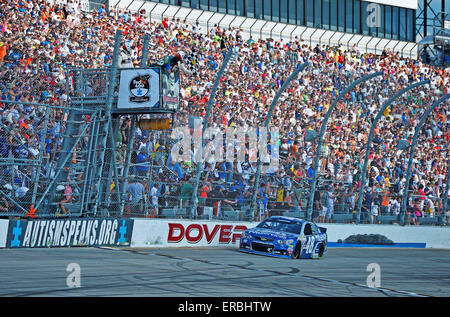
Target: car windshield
(281,225)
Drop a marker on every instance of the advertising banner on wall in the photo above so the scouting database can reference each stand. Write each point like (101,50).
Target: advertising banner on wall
(179,233)
(69,232)
(186,233)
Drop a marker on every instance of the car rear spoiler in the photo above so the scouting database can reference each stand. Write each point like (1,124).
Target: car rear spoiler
(323,230)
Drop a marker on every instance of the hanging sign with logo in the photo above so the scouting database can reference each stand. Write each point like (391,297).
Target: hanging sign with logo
(139,89)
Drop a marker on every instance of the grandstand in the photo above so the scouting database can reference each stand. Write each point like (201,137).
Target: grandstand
(331,22)
(66,153)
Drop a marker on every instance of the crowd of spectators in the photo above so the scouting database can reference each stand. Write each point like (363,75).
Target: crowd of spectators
(51,36)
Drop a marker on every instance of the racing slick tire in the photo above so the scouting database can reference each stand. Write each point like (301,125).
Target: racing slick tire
(297,250)
(321,250)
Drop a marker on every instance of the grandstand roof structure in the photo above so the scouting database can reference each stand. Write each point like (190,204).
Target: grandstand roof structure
(264,29)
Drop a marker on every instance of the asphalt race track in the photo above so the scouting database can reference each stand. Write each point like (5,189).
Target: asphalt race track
(223,272)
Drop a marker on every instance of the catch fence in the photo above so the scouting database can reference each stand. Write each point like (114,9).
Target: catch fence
(72,157)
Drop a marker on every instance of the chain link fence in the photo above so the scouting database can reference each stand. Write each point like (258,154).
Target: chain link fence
(39,179)
(66,156)
(32,135)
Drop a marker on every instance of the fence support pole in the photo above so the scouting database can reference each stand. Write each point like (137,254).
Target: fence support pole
(322,133)
(369,143)
(199,165)
(112,168)
(43,136)
(411,154)
(71,128)
(87,176)
(122,189)
(107,118)
(294,74)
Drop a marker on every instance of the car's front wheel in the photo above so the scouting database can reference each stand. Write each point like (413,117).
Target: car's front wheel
(321,249)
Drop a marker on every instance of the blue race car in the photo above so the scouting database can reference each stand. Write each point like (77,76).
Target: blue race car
(285,237)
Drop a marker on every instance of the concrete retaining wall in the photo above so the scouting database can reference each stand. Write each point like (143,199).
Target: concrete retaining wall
(164,233)
(185,233)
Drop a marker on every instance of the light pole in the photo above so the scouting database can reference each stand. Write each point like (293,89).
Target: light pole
(322,133)
(369,143)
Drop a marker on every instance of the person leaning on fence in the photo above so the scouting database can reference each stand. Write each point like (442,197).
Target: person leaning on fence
(280,197)
(409,209)
(171,193)
(163,191)
(233,199)
(294,200)
(394,207)
(368,197)
(186,192)
(67,199)
(133,159)
(59,199)
(125,129)
(154,199)
(204,190)
(114,204)
(416,212)
(154,191)
(262,200)
(429,208)
(422,196)
(374,211)
(322,212)
(135,192)
(142,160)
(331,196)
